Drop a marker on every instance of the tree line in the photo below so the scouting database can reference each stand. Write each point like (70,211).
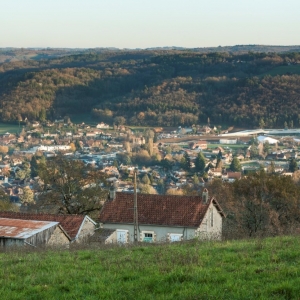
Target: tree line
(156,88)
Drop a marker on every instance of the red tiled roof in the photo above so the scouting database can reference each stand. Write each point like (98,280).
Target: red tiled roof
(168,210)
(70,223)
(236,175)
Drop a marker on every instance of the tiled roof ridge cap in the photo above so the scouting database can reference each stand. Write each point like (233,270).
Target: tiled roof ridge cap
(157,195)
(173,196)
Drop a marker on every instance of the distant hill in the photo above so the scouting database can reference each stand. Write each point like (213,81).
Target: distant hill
(155,87)
(11,54)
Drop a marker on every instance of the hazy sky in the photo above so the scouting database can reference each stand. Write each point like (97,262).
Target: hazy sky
(148,23)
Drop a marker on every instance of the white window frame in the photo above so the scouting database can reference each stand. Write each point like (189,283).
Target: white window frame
(180,235)
(122,230)
(143,233)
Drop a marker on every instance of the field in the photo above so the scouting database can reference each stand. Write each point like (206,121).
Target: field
(9,128)
(226,146)
(283,70)
(253,269)
(79,118)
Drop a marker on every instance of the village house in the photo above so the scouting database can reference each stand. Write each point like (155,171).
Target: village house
(115,145)
(5,165)
(102,126)
(35,124)
(7,138)
(205,130)
(52,135)
(121,128)
(215,172)
(228,141)
(231,176)
(276,156)
(226,157)
(217,150)
(138,140)
(111,171)
(16,161)
(91,134)
(54,148)
(105,136)
(161,217)
(199,145)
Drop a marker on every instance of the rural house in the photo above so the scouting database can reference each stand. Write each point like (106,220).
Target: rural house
(161,217)
(77,227)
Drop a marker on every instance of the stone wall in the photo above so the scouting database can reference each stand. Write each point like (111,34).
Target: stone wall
(211,226)
(87,230)
(58,238)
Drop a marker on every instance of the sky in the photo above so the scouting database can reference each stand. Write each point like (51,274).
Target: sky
(148,23)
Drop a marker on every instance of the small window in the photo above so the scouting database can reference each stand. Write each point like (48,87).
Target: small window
(122,236)
(175,237)
(212,218)
(148,237)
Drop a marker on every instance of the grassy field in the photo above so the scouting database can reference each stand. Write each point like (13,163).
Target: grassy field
(254,269)
(9,128)
(225,146)
(86,118)
(283,70)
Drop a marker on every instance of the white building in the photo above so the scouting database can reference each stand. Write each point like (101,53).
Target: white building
(102,125)
(228,141)
(54,148)
(263,139)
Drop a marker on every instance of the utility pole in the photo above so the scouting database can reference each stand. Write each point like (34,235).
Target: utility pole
(135,211)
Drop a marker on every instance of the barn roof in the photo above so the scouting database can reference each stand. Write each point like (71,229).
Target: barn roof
(22,229)
(71,224)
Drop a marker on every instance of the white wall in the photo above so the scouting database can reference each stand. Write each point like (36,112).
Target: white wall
(161,232)
(225,141)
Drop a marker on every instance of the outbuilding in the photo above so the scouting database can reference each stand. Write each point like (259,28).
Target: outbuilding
(78,227)
(15,232)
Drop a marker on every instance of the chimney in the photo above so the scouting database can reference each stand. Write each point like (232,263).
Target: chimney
(112,192)
(205,196)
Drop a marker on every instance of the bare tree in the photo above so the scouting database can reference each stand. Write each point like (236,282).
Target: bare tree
(70,187)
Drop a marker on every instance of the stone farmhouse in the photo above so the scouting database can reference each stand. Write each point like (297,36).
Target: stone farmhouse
(161,217)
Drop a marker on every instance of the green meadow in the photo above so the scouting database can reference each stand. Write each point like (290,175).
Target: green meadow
(249,269)
(283,70)
(11,128)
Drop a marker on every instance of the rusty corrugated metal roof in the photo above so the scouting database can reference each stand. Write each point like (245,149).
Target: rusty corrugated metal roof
(70,223)
(22,229)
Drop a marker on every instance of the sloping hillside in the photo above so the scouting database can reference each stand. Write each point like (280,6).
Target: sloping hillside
(167,88)
(254,269)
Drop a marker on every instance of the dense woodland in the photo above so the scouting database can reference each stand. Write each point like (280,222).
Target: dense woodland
(156,88)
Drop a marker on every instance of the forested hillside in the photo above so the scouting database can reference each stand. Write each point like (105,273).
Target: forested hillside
(156,87)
